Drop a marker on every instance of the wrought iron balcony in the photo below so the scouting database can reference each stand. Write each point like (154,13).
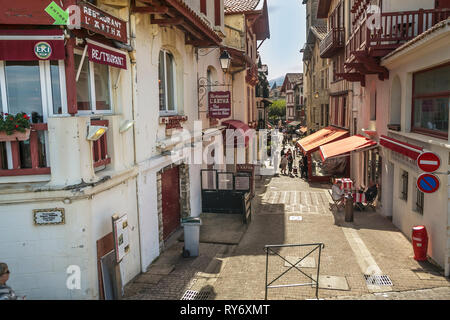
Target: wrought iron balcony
(333,42)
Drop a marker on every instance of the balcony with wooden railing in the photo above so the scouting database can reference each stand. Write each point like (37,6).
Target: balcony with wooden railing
(333,42)
(367,45)
(30,157)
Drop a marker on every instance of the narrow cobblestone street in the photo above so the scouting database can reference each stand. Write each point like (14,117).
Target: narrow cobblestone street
(290,211)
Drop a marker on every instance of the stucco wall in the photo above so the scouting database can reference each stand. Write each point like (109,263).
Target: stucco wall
(429,52)
(39,256)
(405,5)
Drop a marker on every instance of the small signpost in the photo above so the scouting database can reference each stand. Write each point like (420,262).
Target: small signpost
(428,183)
(428,162)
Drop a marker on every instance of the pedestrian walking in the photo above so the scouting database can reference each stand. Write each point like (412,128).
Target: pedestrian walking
(305,167)
(290,159)
(6,293)
(284,163)
(300,165)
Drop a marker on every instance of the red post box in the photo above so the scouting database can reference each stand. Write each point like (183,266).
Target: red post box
(420,243)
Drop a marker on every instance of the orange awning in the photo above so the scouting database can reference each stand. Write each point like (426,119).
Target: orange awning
(303,129)
(341,147)
(321,137)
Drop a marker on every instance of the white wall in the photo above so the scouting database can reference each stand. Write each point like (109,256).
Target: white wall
(406,5)
(429,52)
(38,256)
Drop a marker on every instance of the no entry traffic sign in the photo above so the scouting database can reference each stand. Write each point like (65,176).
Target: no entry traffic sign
(429,162)
(428,183)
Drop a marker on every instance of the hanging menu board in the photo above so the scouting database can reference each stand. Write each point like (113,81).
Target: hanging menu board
(121,236)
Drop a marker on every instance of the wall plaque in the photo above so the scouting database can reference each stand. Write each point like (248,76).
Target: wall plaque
(49,216)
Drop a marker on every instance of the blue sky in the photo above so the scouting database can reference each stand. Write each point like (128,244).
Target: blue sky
(287,20)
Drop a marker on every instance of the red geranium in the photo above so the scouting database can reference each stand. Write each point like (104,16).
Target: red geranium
(9,123)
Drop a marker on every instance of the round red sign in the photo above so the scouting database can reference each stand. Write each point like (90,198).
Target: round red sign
(428,183)
(429,162)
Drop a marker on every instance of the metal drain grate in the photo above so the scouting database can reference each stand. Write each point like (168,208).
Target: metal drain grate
(378,280)
(195,295)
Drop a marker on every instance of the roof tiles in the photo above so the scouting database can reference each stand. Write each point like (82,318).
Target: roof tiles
(238,6)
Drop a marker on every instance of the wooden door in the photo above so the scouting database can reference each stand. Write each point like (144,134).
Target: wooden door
(170,201)
(104,246)
(442,4)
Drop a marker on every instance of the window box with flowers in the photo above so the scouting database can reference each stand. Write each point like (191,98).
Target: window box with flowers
(14,127)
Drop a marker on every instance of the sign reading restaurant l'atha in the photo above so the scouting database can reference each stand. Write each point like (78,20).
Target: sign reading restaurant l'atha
(219,104)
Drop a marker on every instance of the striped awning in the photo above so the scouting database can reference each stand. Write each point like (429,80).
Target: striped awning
(346,146)
(404,148)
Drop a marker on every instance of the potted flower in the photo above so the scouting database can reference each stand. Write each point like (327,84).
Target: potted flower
(14,128)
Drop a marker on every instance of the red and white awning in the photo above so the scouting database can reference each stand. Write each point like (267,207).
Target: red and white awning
(30,45)
(346,146)
(406,149)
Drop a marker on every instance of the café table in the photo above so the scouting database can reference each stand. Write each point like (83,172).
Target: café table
(359,197)
(347,183)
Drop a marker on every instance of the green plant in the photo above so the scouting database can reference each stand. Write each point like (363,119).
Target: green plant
(10,123)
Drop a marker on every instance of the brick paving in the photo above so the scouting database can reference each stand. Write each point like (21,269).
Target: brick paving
(238,272)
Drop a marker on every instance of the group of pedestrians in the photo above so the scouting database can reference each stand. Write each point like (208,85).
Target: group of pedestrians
(288,166)
(287,161)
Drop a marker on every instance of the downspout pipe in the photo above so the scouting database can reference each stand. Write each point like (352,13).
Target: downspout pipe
(131,49)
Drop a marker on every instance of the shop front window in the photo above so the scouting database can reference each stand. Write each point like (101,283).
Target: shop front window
(93,86)
(34,88)
(56,84)
(83,84)
(23,89)
(431,99)
(102,94)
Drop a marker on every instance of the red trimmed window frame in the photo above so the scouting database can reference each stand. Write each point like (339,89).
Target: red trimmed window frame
(203,7)
(100,147)
(446,94)
(217,13)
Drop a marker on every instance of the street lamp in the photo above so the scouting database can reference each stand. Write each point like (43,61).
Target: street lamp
(316,95)
(225,61)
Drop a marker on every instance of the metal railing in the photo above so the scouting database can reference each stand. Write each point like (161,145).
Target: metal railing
(270,249)
(335,39)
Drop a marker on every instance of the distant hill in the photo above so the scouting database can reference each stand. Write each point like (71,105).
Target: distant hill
(279,81)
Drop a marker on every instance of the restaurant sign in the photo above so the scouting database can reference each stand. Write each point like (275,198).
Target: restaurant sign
(103,23)
(110,57)
(219,104)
